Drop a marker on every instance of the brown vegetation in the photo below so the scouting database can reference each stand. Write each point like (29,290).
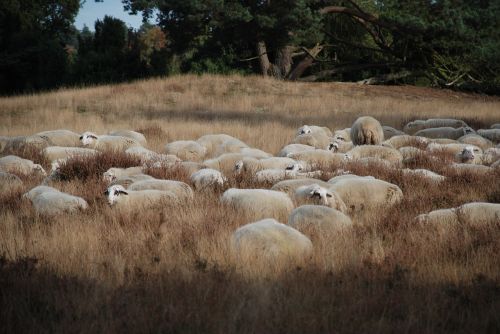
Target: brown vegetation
(171,269)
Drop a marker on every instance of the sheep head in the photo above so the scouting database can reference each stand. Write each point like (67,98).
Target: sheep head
(238,166)
(114,192)
(87,138)
(109,175)
(467,153)
(295,167)
(39,169)
(305,129)
(320,193)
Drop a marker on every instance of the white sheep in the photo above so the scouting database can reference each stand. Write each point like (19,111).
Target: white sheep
(16,144)
(124,199)
(476,140)
(479,213)
(360,194)
(116,173)
(451,149)
(180,189)
(339,178)
(53,153)
(367,131)
(148,157)
(445,132)
(467,156)
(318,195)
(54,203)
(443,220)
(294,148)
(424,173)
(107,142)
(374,151)
(224,163)
(207,178)
(64,138)
(289,186)
(37,191)
(258,203)
(306,129)
(405,140)
(318,158)
(342,134)
(213,141)
(415,126)
(254,165)
(293,171)
(188,150)
(137,136)
(491,134)
(15,164)
(318,221)
(315,139)
(126,181)
(271,243)
(390,132)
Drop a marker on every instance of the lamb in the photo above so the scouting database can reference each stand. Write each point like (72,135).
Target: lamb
(289,186)
(306,129)
(445,132)
(9,182)
(137,136)
(258,203)
(254,165)
(148,156)
(415,126)
(64,138)
(318,221)
(115,173)
(188,150)
(106,142)
(315,139)
(476,140)
(491,134)
(367,131)
(53,153)
(207,178)
(120,198)
(374,151)
(294,148)
(390,132)
(424,173)
(360,194)
(15,164)
(271,243)
(180,189)
(491,155)
(315,194)
(318,158)
(467,156)
(406,140)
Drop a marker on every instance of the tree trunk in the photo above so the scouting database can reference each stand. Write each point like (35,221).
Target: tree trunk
(265,64)
(305,63)
(283,62)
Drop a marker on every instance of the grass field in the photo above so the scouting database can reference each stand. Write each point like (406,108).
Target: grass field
(171,270)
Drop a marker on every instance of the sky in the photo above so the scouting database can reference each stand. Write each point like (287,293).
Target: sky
(91,11)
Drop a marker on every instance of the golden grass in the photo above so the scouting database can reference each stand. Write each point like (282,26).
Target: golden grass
(171,269)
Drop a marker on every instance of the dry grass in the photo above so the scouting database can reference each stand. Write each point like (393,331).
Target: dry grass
(171,269)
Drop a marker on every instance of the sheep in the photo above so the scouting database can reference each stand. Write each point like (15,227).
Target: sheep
(30,195)
(451,149)
(390,132)
(364,151)
(9,182)
(318,195)
(16,144)
(339,146)
(360,194)
(64,138)
(343,134)
(476,140)
(258,203)
(318,158)
(120,198)
(293,171)
(443,220)
(270,243)
(126,181)
(53,153)
(315,139)
(294,148)
(148,156)
(339,178)
(306,129)
(477,213)
(207,178)
(424,173)
(224,163)
(188,150)
(106,142)
(289,186)
(254,165)
(405,140)
(470,168)
(137,136)
(445,132)
(491,155)
(180,189)
(467,156)
(15,164)
(415,126)
(495,126)
(115,173)
(213,141)
(491,134)
(318,221)
(367,131)
(55,203)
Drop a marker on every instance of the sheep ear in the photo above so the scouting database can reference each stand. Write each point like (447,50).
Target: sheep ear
(81,137)
(329,195)
(122,192)
(92,136)
(106,192)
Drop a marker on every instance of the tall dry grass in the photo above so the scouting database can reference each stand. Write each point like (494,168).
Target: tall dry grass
(171,269)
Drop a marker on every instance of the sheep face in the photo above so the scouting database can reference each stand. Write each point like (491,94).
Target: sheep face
(468,130)
(87,138)
(109,176)
(295,167)
(304,130)
(321,193)
(114,192)
(39,169)
(468,153)
(334,147)
(238,167)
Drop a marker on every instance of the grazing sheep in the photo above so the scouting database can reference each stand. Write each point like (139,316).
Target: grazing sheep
(443,220)
(477,213)
(15,164)
(64,138)
(476,140)
(289,186)
(207,178)
(374,151)
(188,150)
(415,126)
(467,156)
(491,155)
(269,242)
(360,194)
(213,141)
(318,221)
(306,129)
(367,131)
(491,134)
(115,173)
(180,189)
(294,171)
(470,168)
(53,153)
(318,195)
(254,165)
(106,142)
(424,173)
(294,148)
(258,203)
(37,191)
(315,139)
(318,158)
(137,136)
(451,149)
(9,182)
(123,199)
(406,140)
(148,156)
(390,132)
(445,132)
(56,202)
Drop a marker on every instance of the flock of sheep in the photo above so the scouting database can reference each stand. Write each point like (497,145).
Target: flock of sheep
(297,191)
